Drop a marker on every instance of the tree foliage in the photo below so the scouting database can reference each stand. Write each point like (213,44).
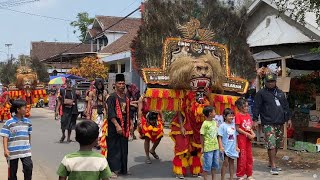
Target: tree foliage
(298,8)
(161,17)
(81,24)
(90,68)
(41,70)
(8,72)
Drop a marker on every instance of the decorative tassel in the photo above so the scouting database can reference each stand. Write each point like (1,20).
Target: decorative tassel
(185,162)
(159,104)
(165,94)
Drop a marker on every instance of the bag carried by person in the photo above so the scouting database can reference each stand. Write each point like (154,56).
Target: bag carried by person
(68,102)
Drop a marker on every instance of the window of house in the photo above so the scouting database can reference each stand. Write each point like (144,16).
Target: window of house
(113,68)
(123,68)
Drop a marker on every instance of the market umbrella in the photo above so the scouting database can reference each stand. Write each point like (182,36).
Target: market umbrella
(58,80)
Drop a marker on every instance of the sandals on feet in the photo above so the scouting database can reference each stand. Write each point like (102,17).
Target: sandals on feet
(180,177)
(250,178)
(62,139)
(114,175)
(154,154)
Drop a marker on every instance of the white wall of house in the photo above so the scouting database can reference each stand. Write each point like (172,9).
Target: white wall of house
(123,59)
(113,36)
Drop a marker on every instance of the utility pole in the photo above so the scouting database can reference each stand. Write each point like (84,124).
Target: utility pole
(8,55)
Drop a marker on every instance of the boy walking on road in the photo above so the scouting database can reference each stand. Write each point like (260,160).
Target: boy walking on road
(16,134)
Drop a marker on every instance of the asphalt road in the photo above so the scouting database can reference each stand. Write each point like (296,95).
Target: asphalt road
(47,154)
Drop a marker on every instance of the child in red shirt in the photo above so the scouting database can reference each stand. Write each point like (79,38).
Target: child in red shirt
(246,135)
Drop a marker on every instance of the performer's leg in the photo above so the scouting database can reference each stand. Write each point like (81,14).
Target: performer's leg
(179,165)
(155,145)
(134,119)
(146,149)
(195,162)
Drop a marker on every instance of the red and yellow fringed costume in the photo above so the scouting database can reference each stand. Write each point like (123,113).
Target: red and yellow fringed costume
(187,148)
(152,132)
(103,140)
(5,106)
(31,96)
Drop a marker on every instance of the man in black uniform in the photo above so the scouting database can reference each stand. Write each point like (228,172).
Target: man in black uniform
(118,128)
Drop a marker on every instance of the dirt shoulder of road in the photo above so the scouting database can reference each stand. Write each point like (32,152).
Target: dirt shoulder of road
(297,160)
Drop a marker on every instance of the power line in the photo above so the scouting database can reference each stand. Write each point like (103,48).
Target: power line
(16,3)
(38,15)
(98,33)
(128,6)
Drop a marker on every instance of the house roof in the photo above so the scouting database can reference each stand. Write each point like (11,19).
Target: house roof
(124,26)
(267,54)
(44,50)
(129,26)
(310,17)
(274,30)
(105,22)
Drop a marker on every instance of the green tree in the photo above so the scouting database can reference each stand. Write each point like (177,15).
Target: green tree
(8,72)
(81,24)
(161,17)
(24,60)
(41,70)
(298,8)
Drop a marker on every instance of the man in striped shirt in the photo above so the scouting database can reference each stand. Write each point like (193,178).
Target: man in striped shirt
(85,164)
(16,134)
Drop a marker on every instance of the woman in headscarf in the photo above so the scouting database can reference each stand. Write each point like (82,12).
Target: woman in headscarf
(133,93)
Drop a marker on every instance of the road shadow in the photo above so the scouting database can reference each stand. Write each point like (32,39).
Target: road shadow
(158,169)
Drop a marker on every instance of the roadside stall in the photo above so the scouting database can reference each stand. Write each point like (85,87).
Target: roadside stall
(298,76)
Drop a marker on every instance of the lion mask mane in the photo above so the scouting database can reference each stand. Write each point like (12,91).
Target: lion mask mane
(183,69)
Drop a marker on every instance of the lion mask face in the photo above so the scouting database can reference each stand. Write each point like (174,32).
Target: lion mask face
(196,73)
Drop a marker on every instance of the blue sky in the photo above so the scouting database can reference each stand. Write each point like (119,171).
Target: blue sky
(20,29)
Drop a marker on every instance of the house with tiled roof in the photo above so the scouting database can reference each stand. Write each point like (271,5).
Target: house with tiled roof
(104,39)
(113,44)
(60,56)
